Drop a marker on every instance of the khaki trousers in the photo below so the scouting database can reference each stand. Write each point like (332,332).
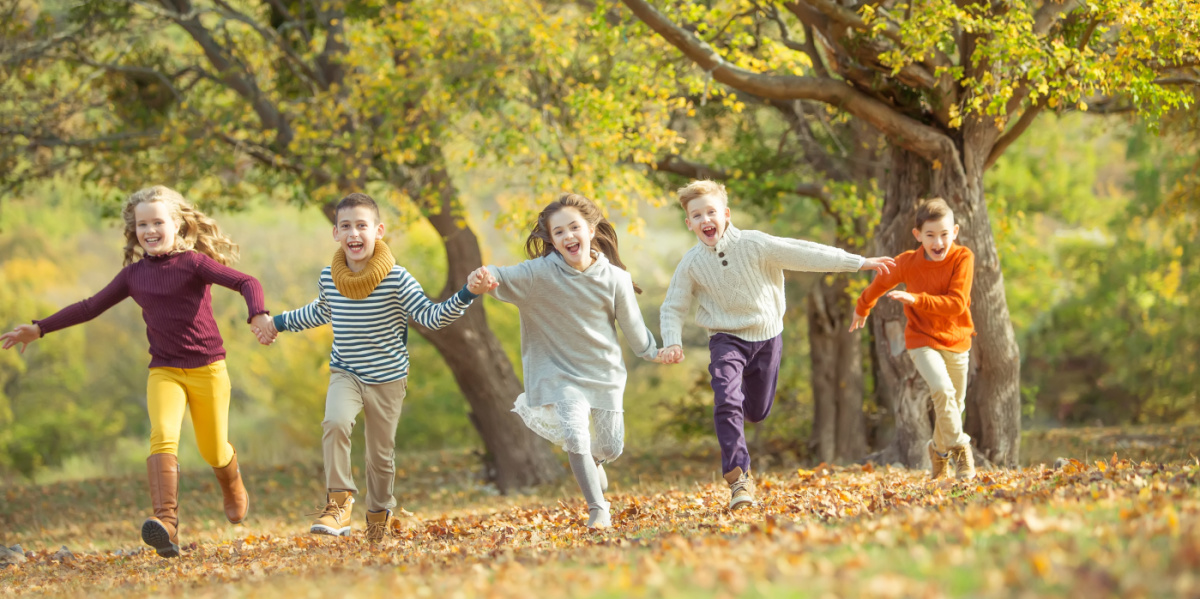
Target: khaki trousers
(380,405)
(946,374)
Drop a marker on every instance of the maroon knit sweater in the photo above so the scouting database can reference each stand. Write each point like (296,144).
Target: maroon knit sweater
(173,291)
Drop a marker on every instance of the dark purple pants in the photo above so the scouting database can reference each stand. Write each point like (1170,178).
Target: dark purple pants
(744,374)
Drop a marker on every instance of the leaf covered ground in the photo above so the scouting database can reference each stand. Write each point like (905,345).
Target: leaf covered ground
(1106,527)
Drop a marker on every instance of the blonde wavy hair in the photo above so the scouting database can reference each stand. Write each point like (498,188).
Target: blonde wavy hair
(197,231)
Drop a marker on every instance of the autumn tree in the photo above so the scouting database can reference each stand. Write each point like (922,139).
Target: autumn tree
(950,85)
(304,102)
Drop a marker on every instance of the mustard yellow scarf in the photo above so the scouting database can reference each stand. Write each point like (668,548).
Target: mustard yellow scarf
(358,285)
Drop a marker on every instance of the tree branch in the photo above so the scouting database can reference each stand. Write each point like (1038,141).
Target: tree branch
(1014,132)
(904,131)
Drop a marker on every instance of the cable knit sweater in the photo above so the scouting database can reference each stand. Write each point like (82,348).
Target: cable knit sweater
(739,283)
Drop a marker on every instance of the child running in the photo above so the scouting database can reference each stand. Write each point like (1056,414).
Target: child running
(173,255)
(368,298)
(572,293)
(937,305)
(736,277)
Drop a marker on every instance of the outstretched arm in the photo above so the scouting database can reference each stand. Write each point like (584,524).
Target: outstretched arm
(216,273)
(427,313)
(23,334)
(673,311)
(884,281)
(629,318)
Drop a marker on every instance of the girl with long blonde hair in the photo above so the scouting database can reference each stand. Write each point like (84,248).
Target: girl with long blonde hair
(173,255)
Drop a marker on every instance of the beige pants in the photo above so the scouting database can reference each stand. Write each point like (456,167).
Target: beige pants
(380,405)
(946,374)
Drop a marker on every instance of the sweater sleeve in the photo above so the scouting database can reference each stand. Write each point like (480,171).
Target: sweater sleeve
(957,298)
(315,314)
(796,254)
(425,311)
(676,304)
(883,283)
(514,281)
(83,311)
(629,317)
(216,273)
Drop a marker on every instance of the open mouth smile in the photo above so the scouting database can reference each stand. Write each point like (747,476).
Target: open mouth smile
(355,246)
(709,231)
(572,247)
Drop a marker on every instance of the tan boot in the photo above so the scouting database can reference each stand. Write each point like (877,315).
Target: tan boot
(161,531)
(380,525)
(237,501)
(741,493)
(964,462)
(335,518)
(940,461)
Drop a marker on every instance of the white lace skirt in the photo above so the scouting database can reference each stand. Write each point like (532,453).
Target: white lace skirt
(566,424)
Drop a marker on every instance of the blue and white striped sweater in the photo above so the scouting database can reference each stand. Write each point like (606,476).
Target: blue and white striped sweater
(370,335)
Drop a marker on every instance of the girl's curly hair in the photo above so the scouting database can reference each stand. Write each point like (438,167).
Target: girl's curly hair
(197,231)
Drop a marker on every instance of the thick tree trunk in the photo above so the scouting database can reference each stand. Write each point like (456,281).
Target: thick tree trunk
(993,396)
(839,427)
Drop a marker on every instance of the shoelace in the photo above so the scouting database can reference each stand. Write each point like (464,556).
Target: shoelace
(331,509)
(739,485)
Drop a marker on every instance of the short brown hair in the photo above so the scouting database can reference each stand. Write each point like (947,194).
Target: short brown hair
(932,209)
(355,200)
(701,188)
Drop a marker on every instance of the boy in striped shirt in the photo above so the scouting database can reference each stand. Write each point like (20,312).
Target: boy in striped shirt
(368,298)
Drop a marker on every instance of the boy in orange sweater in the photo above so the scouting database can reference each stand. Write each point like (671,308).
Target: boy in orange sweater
(937,303)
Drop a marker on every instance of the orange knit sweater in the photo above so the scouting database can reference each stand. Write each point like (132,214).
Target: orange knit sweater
(941,316)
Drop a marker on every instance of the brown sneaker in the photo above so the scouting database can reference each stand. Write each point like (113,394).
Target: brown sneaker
(964,462)
(380,525)
(940,461)
(741,492)
(335,518)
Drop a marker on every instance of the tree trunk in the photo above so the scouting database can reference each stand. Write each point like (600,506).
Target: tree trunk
(516,457)
(839,427)
(993,389)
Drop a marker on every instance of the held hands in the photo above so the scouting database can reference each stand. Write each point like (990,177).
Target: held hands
(883,264)
(903,297)
(670,355)
(23,334)
(264,328)
(481,281)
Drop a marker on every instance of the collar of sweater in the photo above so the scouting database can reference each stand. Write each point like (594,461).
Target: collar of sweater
(731,236)
(598,259)
(358,285)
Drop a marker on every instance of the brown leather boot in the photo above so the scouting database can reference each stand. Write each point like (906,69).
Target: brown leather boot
(237,501)
(161,531)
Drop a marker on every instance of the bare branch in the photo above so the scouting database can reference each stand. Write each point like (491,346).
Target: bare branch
(1178,80)
(1049,13)
(1018,128)
(114,142)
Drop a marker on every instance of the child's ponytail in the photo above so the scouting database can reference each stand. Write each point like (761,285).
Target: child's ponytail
(539,244)
(197,231)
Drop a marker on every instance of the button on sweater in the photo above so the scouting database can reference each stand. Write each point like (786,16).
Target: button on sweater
(941,316)
(174,294)
(738,283)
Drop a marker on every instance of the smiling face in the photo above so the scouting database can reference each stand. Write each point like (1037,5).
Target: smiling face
(155,227)
(707,217)
(572,237)
(357,230)
(937,236)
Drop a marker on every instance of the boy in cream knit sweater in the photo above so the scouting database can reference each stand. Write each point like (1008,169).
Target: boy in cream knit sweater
(737,279)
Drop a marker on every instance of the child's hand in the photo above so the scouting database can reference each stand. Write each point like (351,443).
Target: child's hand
(903,297)
(670,355)
(264,328)
(859,322)
(23,334)
(481,281)
(883,265)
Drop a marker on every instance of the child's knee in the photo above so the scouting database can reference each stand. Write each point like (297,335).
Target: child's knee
(338,427)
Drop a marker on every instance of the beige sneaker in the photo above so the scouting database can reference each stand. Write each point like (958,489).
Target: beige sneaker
(335,518)
(964,462)
(380,525)
(940,461)
(741,491)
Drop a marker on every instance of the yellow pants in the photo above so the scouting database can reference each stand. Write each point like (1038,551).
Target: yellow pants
(203,391)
